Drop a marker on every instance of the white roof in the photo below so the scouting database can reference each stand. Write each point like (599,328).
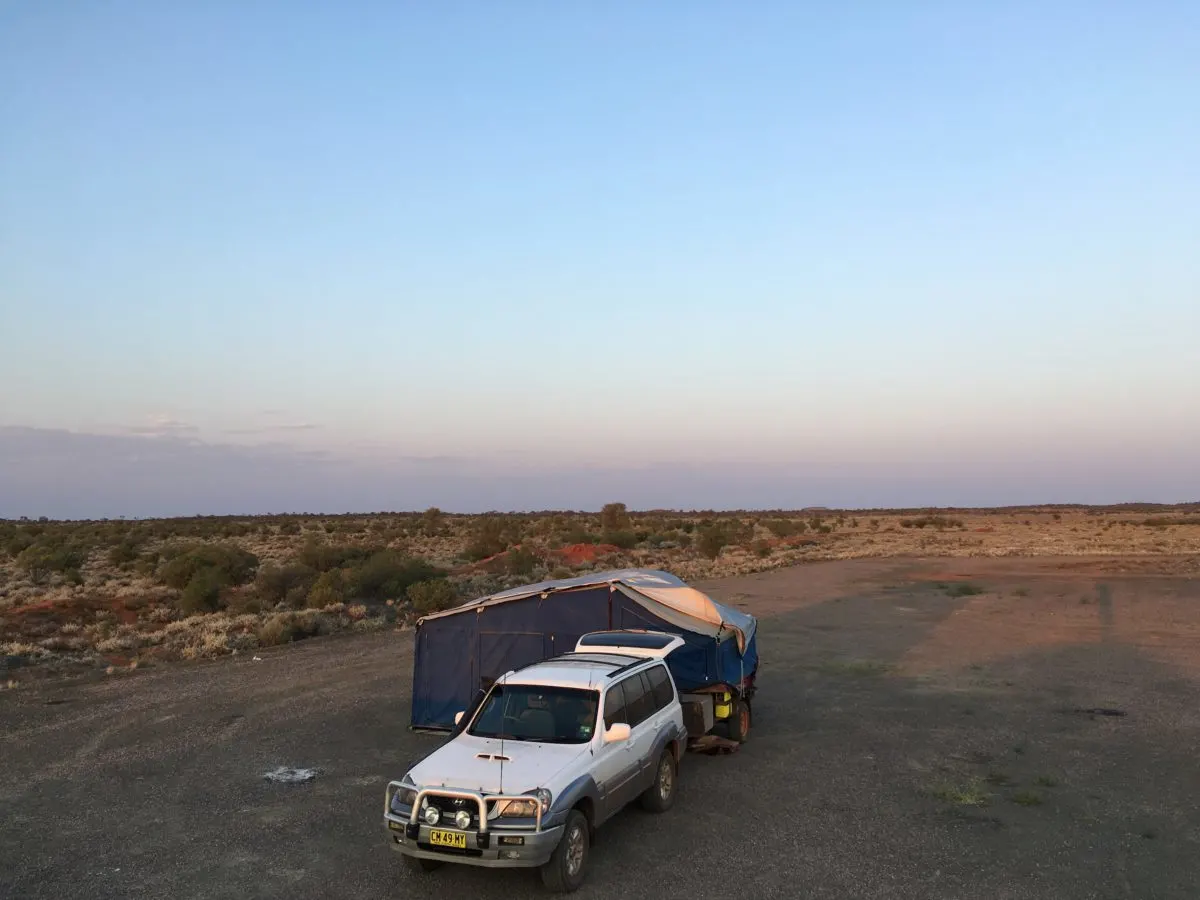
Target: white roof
(575,673)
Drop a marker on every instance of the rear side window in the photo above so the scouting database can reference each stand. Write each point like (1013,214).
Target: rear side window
(614,706)
(639,702)
(661,687)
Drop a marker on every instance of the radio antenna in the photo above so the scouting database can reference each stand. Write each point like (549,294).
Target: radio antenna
(503,720)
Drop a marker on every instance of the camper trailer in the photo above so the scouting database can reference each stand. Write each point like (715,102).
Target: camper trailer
(460,652)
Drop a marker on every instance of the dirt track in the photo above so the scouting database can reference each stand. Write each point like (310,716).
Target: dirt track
(882,695)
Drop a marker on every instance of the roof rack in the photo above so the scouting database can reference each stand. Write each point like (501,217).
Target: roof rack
(599,658)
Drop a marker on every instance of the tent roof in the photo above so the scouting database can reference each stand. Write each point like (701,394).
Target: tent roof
(701,611)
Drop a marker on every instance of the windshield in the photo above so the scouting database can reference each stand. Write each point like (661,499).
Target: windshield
(552,715)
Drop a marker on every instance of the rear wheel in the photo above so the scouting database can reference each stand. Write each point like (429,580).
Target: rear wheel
(563,873)
(739,721)
(660,796)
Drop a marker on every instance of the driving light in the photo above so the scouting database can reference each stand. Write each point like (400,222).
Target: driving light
(462,819)
(432,815)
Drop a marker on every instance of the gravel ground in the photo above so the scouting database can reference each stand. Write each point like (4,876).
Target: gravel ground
(884,701)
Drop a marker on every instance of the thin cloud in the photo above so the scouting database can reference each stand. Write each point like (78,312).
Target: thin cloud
(162,426)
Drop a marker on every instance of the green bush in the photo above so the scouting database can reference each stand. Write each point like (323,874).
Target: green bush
(18,542)
(783,528)
(39,560)
(230,564)
(432,522)
(761,549)
(321,556)
(520,561)
(432,596)
(279,629)
(623,538)
(614,517)
(491,536)
(124,554)
(575,533)
(274,582)
(712,541)
(202,594)
(387,575)
(328,589)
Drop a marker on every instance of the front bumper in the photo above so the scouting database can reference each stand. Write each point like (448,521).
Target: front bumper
(489,849)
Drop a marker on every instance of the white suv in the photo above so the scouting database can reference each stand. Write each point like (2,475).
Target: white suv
(551,752)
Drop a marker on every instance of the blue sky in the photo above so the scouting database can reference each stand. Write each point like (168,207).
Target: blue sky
(528,254)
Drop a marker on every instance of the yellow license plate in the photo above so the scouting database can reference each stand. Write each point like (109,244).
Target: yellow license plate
(448,839)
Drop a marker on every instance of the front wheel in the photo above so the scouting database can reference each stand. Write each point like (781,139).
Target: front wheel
(563,873)
(661,794)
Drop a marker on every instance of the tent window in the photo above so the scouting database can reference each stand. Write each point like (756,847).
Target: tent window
(614,706)
(639,702)
(660,686)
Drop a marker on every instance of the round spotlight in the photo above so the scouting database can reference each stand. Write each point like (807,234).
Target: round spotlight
(432,815)
(462,819)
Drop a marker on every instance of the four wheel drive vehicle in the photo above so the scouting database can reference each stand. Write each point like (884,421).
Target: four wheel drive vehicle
(551,753)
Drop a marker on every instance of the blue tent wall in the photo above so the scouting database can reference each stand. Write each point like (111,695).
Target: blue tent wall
(454,653)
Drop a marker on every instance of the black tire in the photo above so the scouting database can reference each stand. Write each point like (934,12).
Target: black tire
(739,721)
(564,872)
(421,864)
(660,796)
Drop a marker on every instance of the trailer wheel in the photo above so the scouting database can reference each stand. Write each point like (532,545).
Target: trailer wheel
(739,722)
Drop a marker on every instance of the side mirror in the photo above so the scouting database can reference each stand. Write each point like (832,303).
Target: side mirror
(618,732)
(458,716)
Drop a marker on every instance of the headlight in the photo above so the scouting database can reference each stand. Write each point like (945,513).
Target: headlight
(404,795)
(462,819)
(432,815)
(519,809)
(527,809)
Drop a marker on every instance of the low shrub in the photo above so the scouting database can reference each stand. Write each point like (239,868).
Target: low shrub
(328,589)
(40,559)
(202,594)
(388,574)
(322,556)
(432,596)
(230,564)
(623,538)
(712,540)
(520,561)
(274,583)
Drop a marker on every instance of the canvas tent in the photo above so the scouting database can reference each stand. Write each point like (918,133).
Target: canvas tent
(459,650)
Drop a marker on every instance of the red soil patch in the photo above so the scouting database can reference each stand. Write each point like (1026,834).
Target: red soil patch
(578,554)
(44,619)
